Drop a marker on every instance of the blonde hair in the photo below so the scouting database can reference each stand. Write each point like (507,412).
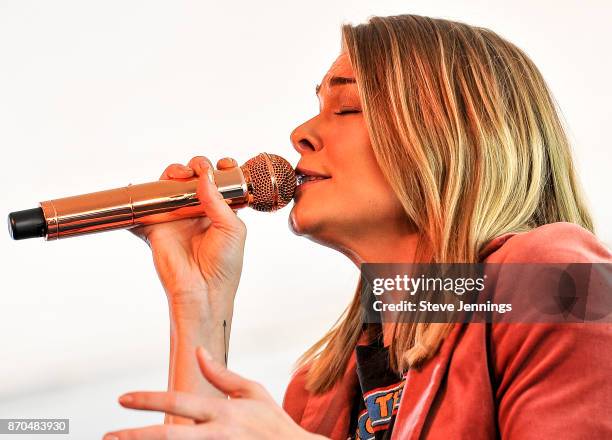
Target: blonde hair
(466,131)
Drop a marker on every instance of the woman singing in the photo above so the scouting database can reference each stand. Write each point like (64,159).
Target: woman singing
(435,142)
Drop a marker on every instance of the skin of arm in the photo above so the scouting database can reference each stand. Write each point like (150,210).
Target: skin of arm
(190,327)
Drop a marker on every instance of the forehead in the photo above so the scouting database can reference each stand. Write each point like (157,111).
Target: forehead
(340,67)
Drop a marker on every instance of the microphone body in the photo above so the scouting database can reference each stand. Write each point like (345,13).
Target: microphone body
(134,205)
(265,182)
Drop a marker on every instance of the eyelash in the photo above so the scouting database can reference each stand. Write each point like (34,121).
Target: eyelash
(347,111)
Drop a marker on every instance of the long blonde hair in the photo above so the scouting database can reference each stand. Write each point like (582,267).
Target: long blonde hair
(466,131)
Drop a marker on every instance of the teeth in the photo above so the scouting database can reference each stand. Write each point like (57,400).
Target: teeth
(304,178)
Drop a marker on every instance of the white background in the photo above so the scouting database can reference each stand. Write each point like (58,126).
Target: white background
(95,95)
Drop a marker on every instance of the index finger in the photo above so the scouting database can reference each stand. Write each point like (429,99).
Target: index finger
(177,403)
(198,163)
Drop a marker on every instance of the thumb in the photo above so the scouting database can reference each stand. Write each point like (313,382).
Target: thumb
(215,207)
(227,381)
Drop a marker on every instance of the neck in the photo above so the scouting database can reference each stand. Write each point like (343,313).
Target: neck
(383,248)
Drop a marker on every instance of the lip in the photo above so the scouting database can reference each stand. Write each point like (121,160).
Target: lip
(308,172)
(300,188)
(303,171)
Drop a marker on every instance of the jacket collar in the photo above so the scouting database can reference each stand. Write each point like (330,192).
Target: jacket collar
(423,384)
(329,413)
(421,388)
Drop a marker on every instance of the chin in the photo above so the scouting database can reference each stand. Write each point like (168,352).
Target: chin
(298,224)
(310,223)
(319,232)
(306,219)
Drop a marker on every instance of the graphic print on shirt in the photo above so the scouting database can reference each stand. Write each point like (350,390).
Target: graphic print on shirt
(381,405)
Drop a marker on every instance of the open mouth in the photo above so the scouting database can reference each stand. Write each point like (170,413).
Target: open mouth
(307,177)
(304,178)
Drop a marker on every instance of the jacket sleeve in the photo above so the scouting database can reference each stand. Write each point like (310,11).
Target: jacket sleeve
(553,381)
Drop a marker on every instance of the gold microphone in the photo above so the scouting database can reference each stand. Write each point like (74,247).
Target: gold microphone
(265,182)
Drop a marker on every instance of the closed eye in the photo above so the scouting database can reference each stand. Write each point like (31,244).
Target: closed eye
(347,111)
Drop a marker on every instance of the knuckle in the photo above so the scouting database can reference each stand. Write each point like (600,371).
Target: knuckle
(174,401)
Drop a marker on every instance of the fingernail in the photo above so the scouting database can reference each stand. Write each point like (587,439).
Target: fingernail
(126,398)
(211,175)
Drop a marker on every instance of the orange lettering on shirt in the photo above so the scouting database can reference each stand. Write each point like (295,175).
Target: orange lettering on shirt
(382,404)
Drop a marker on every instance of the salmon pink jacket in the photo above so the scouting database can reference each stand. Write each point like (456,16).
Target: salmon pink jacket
(487,381)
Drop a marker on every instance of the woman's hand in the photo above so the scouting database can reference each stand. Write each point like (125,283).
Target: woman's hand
(199,260)
(250,413)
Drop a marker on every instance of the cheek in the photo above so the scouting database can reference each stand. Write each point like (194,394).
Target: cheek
(357,197)
(370,194)
(375,202)
(346,211)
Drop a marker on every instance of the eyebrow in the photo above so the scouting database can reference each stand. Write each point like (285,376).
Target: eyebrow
(336,81)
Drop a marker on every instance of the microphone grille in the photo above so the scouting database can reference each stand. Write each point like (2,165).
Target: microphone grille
(271,180)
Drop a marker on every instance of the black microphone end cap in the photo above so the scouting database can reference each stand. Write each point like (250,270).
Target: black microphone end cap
(29,223)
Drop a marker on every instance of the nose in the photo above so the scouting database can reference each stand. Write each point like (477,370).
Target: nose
(304,138)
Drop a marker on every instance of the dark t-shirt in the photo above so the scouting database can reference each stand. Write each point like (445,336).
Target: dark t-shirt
(379,395)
